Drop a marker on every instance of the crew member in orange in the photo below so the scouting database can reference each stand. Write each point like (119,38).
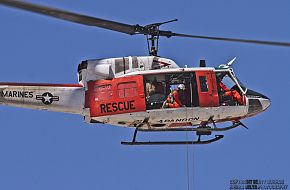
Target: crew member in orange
(231,93)
(173,100)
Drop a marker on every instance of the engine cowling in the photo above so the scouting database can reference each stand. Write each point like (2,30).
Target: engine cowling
(98,69)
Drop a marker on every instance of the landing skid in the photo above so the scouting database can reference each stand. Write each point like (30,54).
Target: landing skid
(217,137)
(200,131)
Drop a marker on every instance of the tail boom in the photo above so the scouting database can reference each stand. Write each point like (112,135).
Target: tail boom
(67,98)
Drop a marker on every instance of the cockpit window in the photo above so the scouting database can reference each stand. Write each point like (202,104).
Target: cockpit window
(227,81)
(228,90)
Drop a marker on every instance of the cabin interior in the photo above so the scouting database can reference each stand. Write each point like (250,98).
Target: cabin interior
(157,87)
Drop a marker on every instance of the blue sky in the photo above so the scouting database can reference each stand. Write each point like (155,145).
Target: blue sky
(46,150)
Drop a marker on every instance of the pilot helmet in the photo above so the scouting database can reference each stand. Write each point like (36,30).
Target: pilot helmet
(181,87)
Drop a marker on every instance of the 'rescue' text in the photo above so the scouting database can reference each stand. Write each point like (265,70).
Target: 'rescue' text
(117,106)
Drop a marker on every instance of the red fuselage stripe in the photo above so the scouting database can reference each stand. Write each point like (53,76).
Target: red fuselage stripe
(39,84)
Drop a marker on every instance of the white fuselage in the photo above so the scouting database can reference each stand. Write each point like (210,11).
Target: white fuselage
(82,98)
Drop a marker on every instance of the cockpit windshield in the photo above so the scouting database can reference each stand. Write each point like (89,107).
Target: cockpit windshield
(230,81)
(227,81)
(230,89)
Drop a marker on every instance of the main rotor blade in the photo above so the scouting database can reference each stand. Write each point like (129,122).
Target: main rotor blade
(117,26)
(69,16)
(233,40)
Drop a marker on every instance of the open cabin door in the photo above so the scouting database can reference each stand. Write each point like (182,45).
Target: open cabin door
(116,96)
(207,89)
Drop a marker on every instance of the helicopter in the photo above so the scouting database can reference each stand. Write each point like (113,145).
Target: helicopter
(135,91)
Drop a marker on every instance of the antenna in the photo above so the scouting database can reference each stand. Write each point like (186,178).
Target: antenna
(228,65)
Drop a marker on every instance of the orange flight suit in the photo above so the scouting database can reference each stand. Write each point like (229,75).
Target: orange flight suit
(232,93)
(173,100)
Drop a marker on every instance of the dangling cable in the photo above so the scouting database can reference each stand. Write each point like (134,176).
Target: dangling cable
(187,162)
(192,167)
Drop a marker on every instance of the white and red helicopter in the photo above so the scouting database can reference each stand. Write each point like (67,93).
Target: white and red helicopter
(132,91)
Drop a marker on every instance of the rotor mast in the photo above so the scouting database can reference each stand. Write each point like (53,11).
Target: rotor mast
(153,36)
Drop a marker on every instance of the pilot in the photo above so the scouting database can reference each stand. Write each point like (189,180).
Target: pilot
(231,93)
(173,99)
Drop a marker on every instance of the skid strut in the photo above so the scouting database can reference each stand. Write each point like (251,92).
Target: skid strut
(135,134)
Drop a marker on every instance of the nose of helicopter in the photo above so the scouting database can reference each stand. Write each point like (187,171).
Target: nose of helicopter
(265,103)
(257,102)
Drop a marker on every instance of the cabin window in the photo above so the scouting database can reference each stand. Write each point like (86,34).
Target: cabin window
(103,92)
(127,89)
(80,76)
(134,62)
(126,63)
(203,84)
(159,89)
(121,65)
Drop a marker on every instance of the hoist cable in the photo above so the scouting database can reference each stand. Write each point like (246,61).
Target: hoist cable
(187,162)
(192,167)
